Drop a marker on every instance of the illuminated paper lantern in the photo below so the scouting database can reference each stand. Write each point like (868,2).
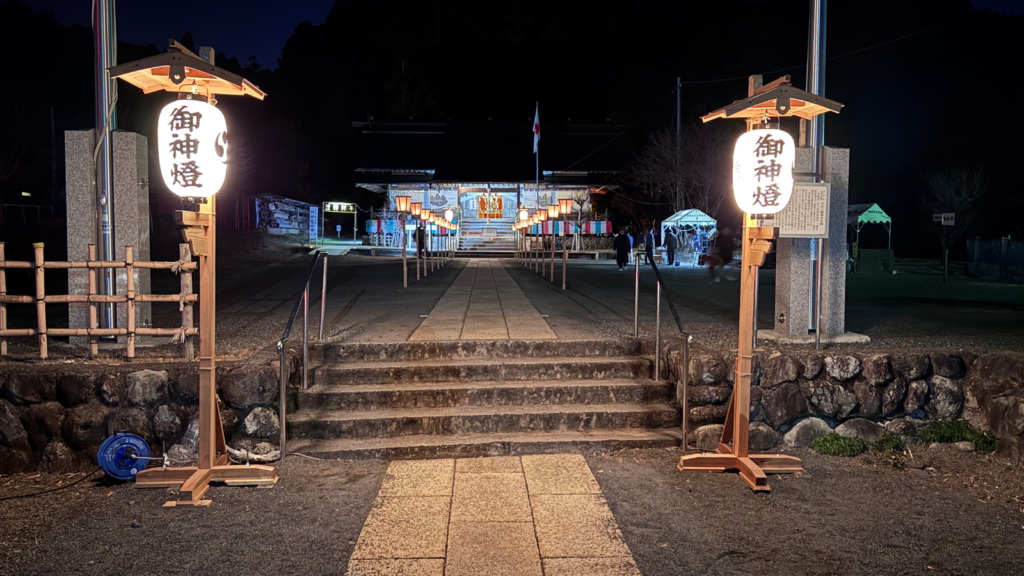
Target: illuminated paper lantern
(762,173)
(192,138)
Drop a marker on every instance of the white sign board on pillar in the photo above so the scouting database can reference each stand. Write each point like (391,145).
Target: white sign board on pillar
(807,214)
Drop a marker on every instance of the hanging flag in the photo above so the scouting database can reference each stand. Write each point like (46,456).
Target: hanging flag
(536,128)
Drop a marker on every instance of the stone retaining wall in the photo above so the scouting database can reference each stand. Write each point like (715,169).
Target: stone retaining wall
(797,396)
(53,418)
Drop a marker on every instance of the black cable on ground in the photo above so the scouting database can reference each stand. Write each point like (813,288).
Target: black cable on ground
(52,489)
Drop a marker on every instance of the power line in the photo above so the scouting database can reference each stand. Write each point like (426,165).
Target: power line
(838,56)
(691,82)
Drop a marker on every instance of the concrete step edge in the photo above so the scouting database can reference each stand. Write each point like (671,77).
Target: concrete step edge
(485,444)
(303,416)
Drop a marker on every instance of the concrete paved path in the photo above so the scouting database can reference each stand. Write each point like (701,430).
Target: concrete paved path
(510,515)
(483,303)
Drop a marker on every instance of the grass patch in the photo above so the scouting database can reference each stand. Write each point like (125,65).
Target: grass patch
(836,445)
(890,443)
(957,431)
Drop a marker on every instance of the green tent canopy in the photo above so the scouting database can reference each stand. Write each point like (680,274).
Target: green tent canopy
(859,215)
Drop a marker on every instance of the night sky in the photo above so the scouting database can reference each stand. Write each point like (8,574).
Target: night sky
(923,82)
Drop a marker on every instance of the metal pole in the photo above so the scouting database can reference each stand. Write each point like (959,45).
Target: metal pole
(416,238)
(657,334)
(636,299)
(817,302)
(686,384)
(282,406)
(553,251)
(105,56)
(323,299)
(565,249)
(305,337)
(816,85)
(405,264)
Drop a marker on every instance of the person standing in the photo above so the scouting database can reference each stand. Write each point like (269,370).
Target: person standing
(671,243)
(623,243)
(649,245)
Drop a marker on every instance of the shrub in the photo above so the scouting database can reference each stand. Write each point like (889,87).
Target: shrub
(836,445)
(890,443)
(945,432)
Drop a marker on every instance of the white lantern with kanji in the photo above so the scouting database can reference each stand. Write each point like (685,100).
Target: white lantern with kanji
(192,139)
(762,174)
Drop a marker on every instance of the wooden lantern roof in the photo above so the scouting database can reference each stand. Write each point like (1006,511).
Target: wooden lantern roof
(777,99)
(178,69)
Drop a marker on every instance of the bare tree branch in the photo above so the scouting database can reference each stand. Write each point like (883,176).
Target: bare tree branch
(958,191)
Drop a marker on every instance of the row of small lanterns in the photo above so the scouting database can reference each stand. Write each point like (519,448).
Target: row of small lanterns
(404,205)
(553,211)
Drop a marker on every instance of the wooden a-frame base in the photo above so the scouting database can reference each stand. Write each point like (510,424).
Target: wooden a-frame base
(732,447)
(193,482)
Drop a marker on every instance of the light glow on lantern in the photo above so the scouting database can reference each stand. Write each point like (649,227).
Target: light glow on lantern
(762,175)
(192,138)
(565,206)
(402,203)
(415,208)
(449,214)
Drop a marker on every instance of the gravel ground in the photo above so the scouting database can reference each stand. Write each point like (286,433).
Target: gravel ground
(942,512)
(946,512)
(306,524)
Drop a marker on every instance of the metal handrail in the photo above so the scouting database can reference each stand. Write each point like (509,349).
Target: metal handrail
(687,337)
(304,302)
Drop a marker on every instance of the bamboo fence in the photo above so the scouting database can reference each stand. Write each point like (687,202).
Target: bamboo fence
(185,299)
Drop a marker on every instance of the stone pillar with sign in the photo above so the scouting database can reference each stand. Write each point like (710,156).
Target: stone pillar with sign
(793,270)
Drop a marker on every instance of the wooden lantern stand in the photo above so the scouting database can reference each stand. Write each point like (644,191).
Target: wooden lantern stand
(193,482)
(777,99)
(179,70)
(732,453)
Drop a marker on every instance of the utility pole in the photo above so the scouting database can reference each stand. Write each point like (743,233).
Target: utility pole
(816,141)
(105,56)
(679,125)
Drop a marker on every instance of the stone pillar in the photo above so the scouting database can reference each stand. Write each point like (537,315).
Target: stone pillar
(80,177)
(131,218)
(793,262)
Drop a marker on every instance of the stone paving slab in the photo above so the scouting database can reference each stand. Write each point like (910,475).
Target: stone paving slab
(576,526)
(416,567)
(490,498)
(590,567)
(418,478)
(508,515)
(492,549)
(559,474)
(483,303)
(495,465)
(409,527)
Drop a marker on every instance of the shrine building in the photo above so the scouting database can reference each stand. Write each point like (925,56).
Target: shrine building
(485,173)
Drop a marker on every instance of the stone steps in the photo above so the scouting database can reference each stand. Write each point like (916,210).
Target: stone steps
(496,444)
(481,370)
(502,393)
(482,397)
(464,349)
(385,423)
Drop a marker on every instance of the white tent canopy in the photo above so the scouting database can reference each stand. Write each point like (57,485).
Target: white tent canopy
(859,215)
(691,218)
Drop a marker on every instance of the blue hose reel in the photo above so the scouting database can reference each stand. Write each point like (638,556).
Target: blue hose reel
(123,455)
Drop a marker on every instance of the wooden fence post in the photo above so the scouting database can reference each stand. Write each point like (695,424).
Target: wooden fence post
(94,348)
(185,255)
(40,299)
(3,305)
(130,298)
